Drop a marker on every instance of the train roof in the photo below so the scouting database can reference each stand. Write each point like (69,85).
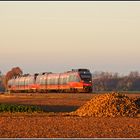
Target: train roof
(81,70)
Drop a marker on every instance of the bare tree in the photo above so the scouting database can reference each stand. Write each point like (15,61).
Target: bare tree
(14,72)
(134,74)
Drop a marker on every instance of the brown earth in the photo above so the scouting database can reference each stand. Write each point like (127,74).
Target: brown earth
(56,122)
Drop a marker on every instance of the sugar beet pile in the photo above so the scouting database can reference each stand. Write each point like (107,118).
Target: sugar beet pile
(110,105)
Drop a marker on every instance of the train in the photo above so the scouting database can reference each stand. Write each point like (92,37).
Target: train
(73,81)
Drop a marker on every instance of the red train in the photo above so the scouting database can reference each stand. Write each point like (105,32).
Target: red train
(76,80)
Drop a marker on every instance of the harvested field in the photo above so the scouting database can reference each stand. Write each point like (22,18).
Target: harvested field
(57,123)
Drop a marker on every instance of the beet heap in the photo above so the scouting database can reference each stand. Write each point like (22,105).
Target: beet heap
(109,105)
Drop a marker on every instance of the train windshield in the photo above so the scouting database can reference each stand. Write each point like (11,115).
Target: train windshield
(86,77)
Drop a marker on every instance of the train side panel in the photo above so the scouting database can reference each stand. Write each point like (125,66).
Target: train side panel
(53,82)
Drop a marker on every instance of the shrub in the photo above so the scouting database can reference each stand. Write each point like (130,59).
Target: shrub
(19,108)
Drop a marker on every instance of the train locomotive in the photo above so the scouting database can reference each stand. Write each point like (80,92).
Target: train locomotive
(76,80)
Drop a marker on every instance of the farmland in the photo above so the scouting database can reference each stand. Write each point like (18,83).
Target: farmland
(55,121)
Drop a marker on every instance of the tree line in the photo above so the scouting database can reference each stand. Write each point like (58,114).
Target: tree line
(105,81)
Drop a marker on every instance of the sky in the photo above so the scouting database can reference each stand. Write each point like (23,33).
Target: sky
(60,36)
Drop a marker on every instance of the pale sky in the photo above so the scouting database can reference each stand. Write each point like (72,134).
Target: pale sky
(60,36)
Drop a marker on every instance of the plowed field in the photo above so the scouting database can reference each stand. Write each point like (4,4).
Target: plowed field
(57,123)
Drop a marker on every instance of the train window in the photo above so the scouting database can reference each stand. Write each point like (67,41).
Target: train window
(40,80)
(44,81)
(32,81)
(23,82)
(73,78)
(16,82)
(70,78)
(53,81)
(61,80)
(56,80)
(20,82)
(77,78)
(67,79)
(36,81)
(26,81)
(29,81)
(48,81)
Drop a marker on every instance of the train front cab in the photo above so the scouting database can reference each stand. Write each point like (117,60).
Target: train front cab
(86,78)
(81,80)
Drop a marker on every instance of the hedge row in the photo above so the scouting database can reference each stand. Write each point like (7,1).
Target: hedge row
(18,108)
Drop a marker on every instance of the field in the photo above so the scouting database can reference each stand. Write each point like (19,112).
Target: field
(57,123)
